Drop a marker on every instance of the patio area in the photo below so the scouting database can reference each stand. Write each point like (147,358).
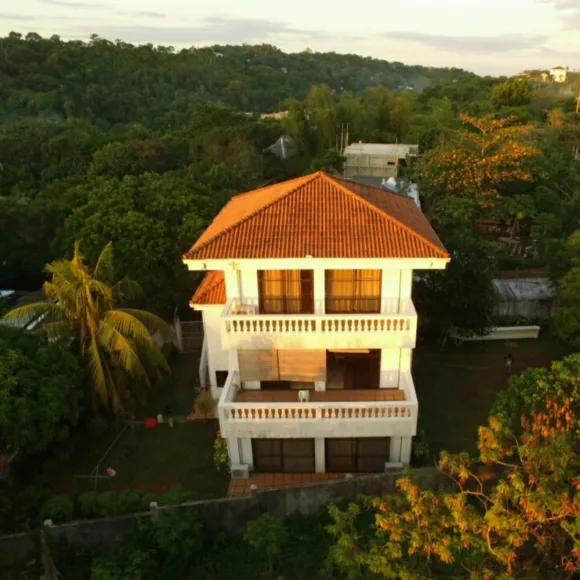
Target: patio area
(334,396)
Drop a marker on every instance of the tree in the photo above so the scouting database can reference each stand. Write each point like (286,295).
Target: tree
(116,342)
(267,534)
(478,162)
(514,92)
(523,524)
(330,161)
(461,297)
(40,390)
(566,317)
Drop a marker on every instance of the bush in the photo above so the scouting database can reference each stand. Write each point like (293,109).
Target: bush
(107,504)
(130,501)
(27,506)
(87,503)
(420,447)
(59,508)
(178,495)
(221,458)
(267,534)
(147,499)
(206,407)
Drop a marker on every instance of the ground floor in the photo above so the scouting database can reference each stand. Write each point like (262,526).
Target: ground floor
(318,455)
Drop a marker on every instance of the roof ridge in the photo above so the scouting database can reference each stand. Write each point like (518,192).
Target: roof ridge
(304,180)
(384,213)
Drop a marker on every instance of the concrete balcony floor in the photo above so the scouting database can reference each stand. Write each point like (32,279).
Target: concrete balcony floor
(332,396)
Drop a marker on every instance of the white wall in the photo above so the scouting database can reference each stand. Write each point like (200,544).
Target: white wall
(216,355)
(390,361)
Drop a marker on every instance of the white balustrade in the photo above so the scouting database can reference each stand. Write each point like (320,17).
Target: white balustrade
(290,324)
(230,410)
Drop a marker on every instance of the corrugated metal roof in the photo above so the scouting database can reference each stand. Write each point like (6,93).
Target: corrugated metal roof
(516,290)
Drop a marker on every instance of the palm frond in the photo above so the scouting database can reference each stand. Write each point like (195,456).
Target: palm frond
(24,315)
(128,325)
(121,349)
(98,372)
(104,267)
(153,322)
(127,289)
(59,329)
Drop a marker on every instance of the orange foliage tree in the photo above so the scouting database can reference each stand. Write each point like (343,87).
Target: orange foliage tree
(475,163)
(522,521)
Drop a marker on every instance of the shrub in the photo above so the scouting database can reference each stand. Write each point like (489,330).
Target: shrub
(178,495)
(206,407)
(147,499)
(130,501)
(107,504)
(59,508)
(267,534)
(221,458)
(87,503)
(420,447)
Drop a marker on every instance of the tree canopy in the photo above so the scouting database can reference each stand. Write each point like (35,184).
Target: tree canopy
(40,390)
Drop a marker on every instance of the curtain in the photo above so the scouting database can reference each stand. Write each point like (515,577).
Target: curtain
(353,290)
(280,291)
(292,293)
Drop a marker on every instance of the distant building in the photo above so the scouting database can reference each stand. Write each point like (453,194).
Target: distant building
(377,160)
(558,74)
(278,115)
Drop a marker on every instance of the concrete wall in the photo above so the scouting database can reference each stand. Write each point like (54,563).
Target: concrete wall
(217,357)
(231,514)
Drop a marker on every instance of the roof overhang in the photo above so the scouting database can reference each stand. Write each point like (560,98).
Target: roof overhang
(231,264)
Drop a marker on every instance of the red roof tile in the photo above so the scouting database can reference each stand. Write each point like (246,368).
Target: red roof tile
(212,290)
(320,216)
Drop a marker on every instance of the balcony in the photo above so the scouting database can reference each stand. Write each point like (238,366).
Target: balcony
(242,326)
(331,413)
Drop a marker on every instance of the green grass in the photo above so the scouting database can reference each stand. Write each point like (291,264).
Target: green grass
(456,387)
(178,391)
(152,460)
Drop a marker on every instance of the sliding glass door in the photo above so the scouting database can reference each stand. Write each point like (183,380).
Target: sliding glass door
(351,291)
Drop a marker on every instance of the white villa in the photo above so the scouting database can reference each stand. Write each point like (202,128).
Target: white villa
(310,326)
(559,73)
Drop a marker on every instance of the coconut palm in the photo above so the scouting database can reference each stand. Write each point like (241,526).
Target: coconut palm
(117,342)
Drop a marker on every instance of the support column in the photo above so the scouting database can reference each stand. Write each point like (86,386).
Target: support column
(319,455)
(234,450)
(406,445)
(319,292)
(395,450)
(389,373)
(247,457)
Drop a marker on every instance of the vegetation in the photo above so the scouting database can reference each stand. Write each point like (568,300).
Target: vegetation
(524,523)
(40,391)
(116,342)
(267,534)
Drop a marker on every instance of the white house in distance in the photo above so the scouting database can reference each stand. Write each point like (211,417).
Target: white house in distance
(558,74)
(310,325)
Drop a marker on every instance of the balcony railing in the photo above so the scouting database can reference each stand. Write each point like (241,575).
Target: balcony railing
(233,412)
(243,318)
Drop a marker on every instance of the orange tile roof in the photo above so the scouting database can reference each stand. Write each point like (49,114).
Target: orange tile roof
(212,290)
(320,216)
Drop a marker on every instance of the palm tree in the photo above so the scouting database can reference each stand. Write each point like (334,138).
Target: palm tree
(117,342)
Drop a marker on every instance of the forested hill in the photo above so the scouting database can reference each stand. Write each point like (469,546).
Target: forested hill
(115,82)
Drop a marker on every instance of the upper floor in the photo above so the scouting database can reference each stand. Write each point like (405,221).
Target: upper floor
(314,257)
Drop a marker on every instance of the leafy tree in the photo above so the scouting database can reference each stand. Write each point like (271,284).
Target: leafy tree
(566,317)
(331,162)
(525,523)
(267,534)
(116,342)
(531,388)
(514,92)
(151,220)
(478,162)
(40,390)
(461,297)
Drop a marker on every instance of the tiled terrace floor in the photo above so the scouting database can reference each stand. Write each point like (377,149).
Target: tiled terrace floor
(334,396)
(274,480)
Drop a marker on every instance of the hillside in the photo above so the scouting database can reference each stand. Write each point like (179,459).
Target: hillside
(110,83)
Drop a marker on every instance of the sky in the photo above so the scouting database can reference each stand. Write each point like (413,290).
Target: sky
(497,37)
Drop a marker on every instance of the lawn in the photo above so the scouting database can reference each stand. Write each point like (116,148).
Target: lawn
(152,460)
(456,387)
